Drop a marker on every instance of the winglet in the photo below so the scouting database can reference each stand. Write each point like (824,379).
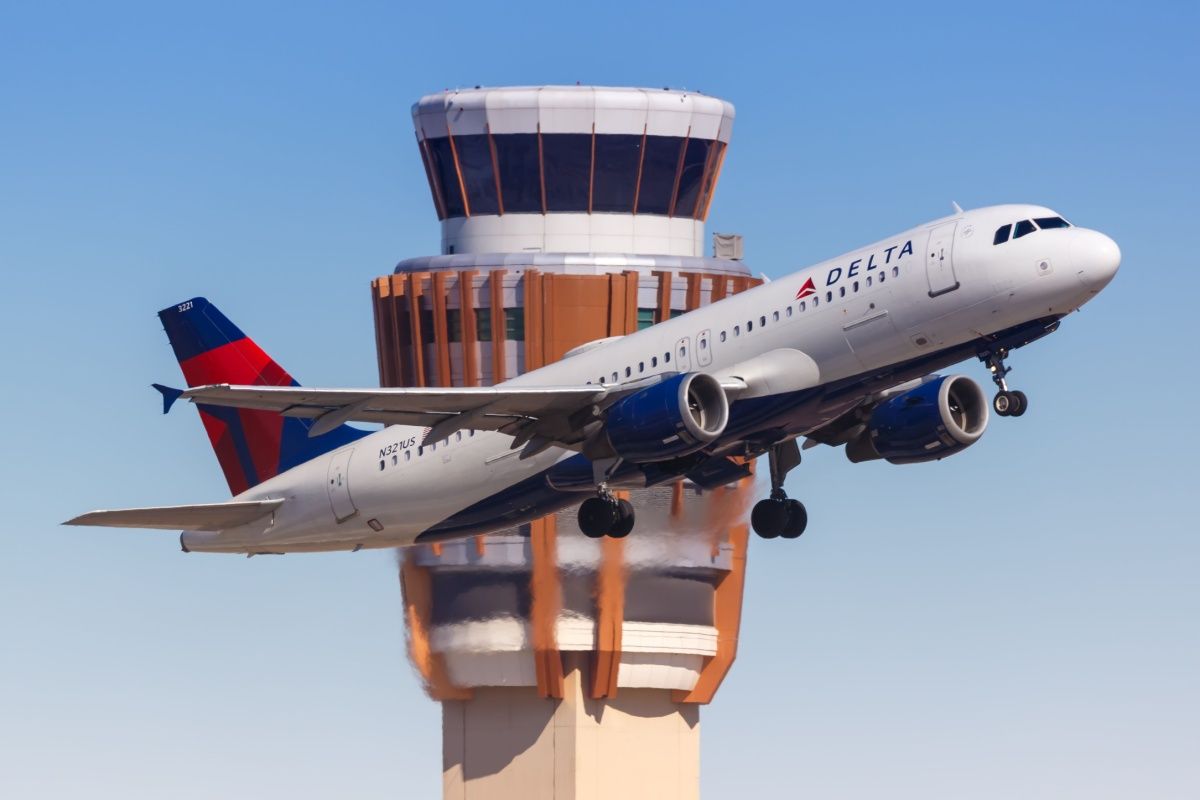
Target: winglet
(957,207)
(169,395)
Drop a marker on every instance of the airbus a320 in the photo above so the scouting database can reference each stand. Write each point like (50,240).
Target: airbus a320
(843,353)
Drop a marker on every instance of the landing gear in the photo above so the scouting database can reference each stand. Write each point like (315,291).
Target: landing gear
(606,515)
(1007,402)
(778,515)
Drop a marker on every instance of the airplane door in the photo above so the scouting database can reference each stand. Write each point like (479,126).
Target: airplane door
(939,260)
(704,348)
(339,485)
(683,354)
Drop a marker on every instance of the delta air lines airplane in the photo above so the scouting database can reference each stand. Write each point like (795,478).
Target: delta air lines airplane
(844,353)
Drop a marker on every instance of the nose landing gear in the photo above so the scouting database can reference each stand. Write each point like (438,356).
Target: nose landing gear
(778,515)
(1007,402)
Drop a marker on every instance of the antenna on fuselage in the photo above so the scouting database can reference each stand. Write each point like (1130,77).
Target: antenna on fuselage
(957,207)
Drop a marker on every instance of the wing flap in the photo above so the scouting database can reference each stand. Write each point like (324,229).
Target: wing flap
(199,517)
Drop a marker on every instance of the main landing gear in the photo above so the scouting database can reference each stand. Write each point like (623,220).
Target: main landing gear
(1007,402)
(606,515)
(778,515)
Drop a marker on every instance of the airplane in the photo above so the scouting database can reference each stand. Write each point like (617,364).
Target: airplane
(844,353)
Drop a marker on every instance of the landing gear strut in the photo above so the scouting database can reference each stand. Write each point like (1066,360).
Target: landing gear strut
(778,515)
(1007,402)
(606,516)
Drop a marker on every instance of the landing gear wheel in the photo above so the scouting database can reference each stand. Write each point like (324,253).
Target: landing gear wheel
(598,516)
(624,523)
(770,517)
(797,520)
(1004,403)
(1022,403)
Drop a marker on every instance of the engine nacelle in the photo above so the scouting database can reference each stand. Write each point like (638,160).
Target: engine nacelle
(669,419)
(939,418)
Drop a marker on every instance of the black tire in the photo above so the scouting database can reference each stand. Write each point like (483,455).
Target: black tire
(769,517)
(1022,403)
(1003,403)
(625,520)
(596,517)
(797,520)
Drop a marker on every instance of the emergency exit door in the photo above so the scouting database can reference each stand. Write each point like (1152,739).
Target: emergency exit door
(339,485)
(939,260)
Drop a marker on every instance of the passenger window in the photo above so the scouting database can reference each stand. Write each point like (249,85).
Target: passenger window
(420,450)
(829,297)
(868,280)
(722,336)
(841,291)
(704,344)
(408,455)
(762,322)
(1045,223)
(856,286)
(789,311)
(654,361)
(737,330)
(616,377)
(882,277)
(816,301)
(749,325)
(380,466)
(641,366)
(666,358)
(682,351)
(1024,228)
(802,305)
(775,316)
(395,459)
(628,371)
(1002,234)
(895,272)
(458,435)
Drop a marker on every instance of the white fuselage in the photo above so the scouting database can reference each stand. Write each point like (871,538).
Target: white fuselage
(911,295)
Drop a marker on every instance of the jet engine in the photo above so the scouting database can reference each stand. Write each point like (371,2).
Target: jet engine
(669,419)
(939,418)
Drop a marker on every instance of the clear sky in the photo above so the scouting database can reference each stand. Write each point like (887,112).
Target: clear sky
(1018,621)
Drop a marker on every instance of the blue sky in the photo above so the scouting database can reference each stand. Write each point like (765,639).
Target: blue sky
(1017,621)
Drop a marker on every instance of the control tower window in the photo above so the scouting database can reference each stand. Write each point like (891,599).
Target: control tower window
(475,161)
(614,179)
(442,162)
(1024,227)
(646,317)
(567,161)
(1046,223)
(454,324)
(520,179)
(483,324)
(1002,234)
(695,156)
(514,324)
(658,174)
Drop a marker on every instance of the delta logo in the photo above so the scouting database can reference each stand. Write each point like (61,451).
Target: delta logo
(807,289)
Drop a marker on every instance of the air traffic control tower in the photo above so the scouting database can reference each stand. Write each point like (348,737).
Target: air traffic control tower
(567,667)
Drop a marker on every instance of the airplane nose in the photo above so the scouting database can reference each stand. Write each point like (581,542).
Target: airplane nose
(1096,258)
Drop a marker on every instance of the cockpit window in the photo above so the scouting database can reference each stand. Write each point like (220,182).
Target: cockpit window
(1046,223)
(1024,227)
(1002,234)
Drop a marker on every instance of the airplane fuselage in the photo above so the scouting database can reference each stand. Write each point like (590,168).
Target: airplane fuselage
(841,329)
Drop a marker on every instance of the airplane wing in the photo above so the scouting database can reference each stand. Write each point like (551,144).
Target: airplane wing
(551,414)
(201,517)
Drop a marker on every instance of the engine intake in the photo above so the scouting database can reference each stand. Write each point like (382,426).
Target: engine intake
(670,419)
(939,418)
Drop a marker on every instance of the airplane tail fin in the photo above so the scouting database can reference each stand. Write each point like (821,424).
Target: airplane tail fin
(251,446)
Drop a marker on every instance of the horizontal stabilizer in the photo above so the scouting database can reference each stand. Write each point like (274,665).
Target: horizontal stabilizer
(200,517)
